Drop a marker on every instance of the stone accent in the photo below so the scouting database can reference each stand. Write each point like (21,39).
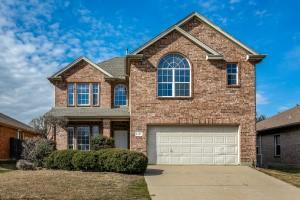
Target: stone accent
(212,101)
(106,127)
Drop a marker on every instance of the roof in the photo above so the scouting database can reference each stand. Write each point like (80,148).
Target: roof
(115,66)
(6,120)
(89,112)
(60,72)
(203,19)
(283,119)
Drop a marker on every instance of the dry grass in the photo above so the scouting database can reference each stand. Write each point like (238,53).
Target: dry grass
(50,184)
(291,176)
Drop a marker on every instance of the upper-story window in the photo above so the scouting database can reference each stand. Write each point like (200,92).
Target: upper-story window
(71,94)
(95,88)
(174,76)
(120,95)
(232,74)
(83,94)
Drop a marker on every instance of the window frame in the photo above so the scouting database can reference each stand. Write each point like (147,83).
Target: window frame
(89,94)
(236,74)
(126,95)
(73,138)
(89,138)
(73,94)
(98,94)
(173,82)
(276,154)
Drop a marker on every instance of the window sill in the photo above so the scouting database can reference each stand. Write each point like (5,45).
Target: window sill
(174,98)
(276,156)
(233,86)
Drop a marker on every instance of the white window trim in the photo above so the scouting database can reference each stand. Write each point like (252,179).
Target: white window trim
(89,131)
(173,81)
(126,89)
(73,103)
(98,94)
(236,74)
(275,145)
(89,95)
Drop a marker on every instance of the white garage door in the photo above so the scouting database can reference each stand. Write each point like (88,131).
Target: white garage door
(212,145)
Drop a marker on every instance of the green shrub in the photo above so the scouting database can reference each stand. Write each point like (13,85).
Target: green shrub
(36,150)
(101,142)
(85,160)
(60,160)
(105,160)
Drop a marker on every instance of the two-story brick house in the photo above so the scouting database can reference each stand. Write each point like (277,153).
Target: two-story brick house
(185,97)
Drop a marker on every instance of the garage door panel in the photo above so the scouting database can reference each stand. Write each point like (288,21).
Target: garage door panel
(193,145)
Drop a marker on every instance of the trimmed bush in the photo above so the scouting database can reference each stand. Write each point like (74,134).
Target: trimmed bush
(105,160)
(36,150)
(84,160)
(101,142)
(60,160)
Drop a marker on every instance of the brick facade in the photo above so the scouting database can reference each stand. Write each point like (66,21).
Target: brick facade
(212,101)
(6,133)
(289,145)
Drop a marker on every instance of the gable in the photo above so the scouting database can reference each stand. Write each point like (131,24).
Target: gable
(75,63)
(179,26)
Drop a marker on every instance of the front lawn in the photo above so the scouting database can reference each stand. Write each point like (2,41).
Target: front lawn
(52,184)
(291,176)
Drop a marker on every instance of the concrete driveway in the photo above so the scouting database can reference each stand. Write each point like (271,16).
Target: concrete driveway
(215,183)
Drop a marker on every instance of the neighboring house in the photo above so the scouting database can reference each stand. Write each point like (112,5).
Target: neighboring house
(185,97)
(11,128)
(278,140)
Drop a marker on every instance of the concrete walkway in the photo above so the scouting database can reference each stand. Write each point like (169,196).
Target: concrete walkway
(215,183)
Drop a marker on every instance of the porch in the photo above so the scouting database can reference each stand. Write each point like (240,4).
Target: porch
(86,123)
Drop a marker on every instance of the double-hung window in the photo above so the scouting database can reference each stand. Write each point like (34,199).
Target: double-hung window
(70,94)
(95,88)
(83,94)
(83,138)
(232,74)
(120,95)
(277,149)
(174,76)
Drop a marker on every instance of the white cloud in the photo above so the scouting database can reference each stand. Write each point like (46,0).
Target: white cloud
(261,99)
(34,45)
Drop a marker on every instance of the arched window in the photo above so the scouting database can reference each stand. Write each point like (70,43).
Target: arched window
(174,76)
(120,95)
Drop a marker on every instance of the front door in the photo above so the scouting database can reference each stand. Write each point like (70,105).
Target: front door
(121,139)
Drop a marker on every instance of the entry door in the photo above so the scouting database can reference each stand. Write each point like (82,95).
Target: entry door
(212,145)
(121,139)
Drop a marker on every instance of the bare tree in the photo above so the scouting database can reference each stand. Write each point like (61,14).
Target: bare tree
(260,118)
(47,123)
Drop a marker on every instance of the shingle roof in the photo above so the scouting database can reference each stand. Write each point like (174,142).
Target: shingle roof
(115,66)
(6,120)
(286,118)
(86,112)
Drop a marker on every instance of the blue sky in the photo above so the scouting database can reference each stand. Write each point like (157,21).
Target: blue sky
(39,37)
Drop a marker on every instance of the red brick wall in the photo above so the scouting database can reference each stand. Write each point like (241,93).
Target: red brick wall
(5,134)
(82,72)
(212,101)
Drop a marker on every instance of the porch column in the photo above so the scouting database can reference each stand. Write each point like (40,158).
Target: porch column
(106,127)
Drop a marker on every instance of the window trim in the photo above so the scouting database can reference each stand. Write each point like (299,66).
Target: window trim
(173,79)
(126,90)
(74,88)
(98,94)
(275,146)
(89,95)
(237,75)
(73,139)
